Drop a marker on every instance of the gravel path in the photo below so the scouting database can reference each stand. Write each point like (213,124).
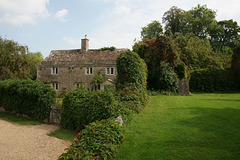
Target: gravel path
(29,142)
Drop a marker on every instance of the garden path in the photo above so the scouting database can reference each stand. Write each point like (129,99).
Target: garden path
(29,142)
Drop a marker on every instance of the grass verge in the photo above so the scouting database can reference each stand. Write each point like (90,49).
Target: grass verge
(202,126)
(18,120)
(63,134)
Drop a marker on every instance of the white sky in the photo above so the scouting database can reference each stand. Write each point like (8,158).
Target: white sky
(45,25)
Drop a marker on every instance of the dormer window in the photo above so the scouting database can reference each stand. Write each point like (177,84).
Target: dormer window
(110,71)
(89,71)
(54,70)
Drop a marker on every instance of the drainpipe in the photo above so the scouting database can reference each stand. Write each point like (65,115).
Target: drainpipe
(70,77)
(70,71)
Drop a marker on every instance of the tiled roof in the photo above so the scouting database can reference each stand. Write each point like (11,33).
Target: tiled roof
(78,55)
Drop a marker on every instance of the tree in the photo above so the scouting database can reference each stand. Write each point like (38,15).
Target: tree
(236,61)
(230,36)
(153,52)
(152,30)
(172,19)
(197,53)
(200,20)
(16,61)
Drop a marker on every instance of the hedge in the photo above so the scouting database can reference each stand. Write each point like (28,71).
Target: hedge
(28,97)
(81,107)
(213,80)
(99,140)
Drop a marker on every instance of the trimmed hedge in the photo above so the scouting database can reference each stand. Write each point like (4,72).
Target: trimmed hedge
(81,107)
(99,140)
(31,98)
(213,80)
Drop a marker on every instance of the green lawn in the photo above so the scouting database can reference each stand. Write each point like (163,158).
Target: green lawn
(18,120)
(198,127)
(63,134)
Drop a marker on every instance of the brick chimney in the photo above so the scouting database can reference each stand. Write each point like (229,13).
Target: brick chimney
(85,44)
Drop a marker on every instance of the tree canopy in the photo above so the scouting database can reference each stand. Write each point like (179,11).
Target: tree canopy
(16,61)
(152,30)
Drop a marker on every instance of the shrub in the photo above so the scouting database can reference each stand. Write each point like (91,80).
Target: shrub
(213,80)
(31,98)
(108,48)
(81,107)
(99,140)
(132,76)
(167,78)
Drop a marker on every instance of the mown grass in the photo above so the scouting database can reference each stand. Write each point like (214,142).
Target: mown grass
(63,134)
(202,126)
(18,120)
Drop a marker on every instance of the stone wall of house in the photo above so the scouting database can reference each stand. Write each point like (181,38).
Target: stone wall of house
(72,73)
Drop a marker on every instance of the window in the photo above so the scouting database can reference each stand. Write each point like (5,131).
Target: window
(110,71)
(89,71)
(55,86)
(54,70)
(80,85)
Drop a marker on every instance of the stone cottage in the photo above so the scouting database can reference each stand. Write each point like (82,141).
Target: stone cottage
(71,69)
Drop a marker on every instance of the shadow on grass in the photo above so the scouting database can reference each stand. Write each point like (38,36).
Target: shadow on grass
(217,133)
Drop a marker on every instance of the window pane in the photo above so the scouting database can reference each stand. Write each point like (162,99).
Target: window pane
(56,70)
(87,71)
(108,71)
(90,70)
(53,70)
(56,86)
(112,69)
(52,85)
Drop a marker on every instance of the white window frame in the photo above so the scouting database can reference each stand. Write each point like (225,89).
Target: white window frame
(55,85)
(89,71)
(54,70)
(110,71)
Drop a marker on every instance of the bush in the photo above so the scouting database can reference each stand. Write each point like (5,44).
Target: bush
(81,107)
(99,140)
(31,98)
(167,78)
(213,80)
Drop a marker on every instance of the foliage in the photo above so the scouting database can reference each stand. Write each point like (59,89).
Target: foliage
(16,61)
(213,80)
(132,75)
(199,20)
(168,80)
(99,140)
(131,69)
(172,19)
(108,48)
(81,107)
(152,30)
(154,52)
(236,61)
(31,98)
(97,80)
(196,53)
(229,36)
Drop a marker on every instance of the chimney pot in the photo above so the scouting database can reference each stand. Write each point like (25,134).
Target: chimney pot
(85,44)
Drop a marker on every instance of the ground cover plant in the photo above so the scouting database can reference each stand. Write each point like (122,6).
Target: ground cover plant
(18,120)
(201,126)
